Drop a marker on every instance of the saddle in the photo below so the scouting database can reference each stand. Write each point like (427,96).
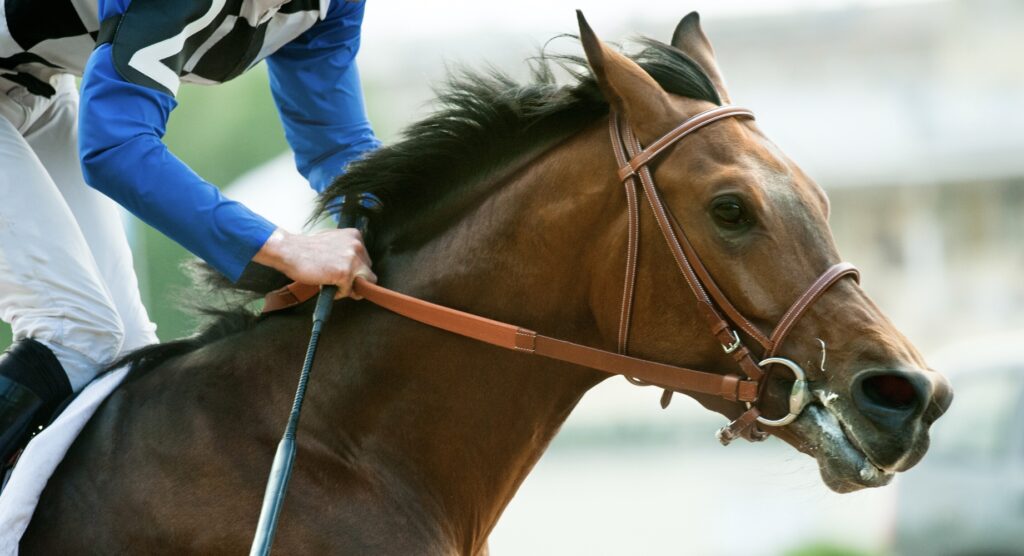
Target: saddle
(33,390)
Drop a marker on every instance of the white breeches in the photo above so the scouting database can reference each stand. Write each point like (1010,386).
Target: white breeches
(66,275)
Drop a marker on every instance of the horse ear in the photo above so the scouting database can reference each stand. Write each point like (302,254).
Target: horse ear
(690,38)
(626,86)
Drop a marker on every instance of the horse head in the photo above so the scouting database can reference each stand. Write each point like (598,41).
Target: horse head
(759,225)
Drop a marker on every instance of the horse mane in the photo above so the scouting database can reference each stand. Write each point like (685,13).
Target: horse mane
(483,122)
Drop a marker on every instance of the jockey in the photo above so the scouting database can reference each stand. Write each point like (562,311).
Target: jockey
(67,286)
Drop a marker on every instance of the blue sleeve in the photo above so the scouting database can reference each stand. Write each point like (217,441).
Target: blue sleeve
(316,86)
(121,129)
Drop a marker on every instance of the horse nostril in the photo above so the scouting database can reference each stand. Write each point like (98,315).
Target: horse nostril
(891,399)
(890,391)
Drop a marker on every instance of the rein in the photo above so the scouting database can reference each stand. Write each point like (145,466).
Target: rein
(636,176)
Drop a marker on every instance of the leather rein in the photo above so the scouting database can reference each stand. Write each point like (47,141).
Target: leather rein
(635,174)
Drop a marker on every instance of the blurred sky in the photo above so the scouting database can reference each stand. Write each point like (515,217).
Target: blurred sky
(399,17)
(471,31)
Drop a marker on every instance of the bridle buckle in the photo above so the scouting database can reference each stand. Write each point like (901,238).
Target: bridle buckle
(736,343)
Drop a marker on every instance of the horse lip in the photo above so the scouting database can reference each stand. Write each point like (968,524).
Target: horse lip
(889,470)
(827,398)
(868,474)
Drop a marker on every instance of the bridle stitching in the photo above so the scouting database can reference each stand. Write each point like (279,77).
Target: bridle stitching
(632,255)
(628,290)
(733,314)
(804,302)
(658,208)
(701,120)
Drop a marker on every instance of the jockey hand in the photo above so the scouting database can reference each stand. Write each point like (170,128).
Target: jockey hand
(329,257)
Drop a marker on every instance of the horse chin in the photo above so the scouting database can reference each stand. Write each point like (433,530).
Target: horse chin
(843,465)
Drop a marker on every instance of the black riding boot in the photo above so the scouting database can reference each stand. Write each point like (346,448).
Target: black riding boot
(32,386)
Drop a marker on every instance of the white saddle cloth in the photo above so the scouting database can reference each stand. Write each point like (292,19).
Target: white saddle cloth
(39,460)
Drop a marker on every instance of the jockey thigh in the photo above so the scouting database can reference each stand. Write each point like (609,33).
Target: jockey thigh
(66,277)
(55,142)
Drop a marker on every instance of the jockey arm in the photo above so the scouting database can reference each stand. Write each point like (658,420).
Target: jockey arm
(315,83)
(127,99)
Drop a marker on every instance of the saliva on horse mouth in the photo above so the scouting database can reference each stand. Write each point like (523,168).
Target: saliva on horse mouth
(833,428)
(826,398)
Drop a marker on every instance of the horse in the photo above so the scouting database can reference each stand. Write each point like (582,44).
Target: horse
(507,202)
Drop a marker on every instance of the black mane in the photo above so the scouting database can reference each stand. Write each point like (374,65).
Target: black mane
(483,122)
(487,120)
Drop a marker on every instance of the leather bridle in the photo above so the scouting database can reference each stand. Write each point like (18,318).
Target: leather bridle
(711,302)
(633,160)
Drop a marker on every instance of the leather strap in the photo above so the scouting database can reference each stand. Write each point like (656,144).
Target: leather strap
(289,296)
(641,159)
(800,306)
(730,387)
(714,291)
(682,251)
(744,426)
(697,276)
(633,240)
(523,340)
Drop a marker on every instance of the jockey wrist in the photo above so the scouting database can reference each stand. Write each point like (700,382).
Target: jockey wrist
(274,250)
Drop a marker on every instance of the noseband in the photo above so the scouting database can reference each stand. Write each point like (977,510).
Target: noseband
(633,162)
(713,305)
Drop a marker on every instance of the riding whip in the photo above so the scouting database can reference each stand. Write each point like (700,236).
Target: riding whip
(355,213)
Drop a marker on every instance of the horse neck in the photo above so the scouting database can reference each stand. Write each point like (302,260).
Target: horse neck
(464,421)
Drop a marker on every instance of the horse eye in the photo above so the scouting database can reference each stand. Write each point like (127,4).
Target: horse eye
(730,214)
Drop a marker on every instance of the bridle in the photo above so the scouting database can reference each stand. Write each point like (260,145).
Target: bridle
(633,160)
